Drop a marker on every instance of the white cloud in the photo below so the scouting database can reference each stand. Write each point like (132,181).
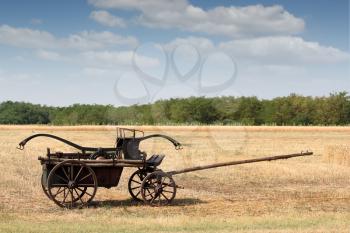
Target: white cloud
(100,61)
(140,5)
(200,43)
(27,38)
(105,18)
(283,50)
(49,55)
(86,48)
(6,75)
(115,59)
(97,40)
(85,40)
(277,50)
(282,71)
(96,72)
(254,20)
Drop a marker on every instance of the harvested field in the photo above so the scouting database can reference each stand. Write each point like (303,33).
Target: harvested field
(309,194)
(338,154)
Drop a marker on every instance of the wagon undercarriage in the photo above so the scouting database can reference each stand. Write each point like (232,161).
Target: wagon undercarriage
(71,180)
(73,183)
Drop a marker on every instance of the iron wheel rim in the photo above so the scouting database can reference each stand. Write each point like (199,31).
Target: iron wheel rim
(134,186)
(70,192)
(158,189)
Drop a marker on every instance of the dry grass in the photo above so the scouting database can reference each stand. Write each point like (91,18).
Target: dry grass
(339,154)
(298,195)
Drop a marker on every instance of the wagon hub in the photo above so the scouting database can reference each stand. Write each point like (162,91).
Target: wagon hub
(71,184)
(158,189)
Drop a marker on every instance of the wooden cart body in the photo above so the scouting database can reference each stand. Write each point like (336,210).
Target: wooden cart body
(107,176)
(71,179)
(108,172)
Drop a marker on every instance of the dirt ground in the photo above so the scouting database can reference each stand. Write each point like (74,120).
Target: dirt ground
(308,194)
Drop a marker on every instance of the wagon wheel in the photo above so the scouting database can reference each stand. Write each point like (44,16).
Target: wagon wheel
(134,184)
(72,184)
(158,188)
(44,186)
(46,190)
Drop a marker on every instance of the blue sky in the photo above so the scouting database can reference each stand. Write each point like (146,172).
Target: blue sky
(127,52)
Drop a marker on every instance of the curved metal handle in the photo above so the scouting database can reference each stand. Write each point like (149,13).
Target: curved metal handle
(177,145)
(20,147)
(22,144)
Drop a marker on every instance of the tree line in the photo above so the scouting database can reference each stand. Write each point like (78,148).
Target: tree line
(294,109)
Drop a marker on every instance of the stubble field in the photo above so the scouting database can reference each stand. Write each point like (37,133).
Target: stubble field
(308,194)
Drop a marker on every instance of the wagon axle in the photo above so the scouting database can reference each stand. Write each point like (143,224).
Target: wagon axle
(72,184)
(71,180)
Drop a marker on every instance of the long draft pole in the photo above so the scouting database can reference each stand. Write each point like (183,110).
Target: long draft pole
(279,157)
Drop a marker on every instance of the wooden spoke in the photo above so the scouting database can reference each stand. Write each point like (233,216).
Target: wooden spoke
(76,177)
(71,172)
(80,189)
(85,177)
(64,171)
(134,184)
(62,178)
(72,198)
(79,196)
(149,194)
(67,194)
(86,185)
(158,181)
(152,200)
(58,185)
(164,196)
(166,191)
(152,182)
(89,194)
(58,191)
(166,184)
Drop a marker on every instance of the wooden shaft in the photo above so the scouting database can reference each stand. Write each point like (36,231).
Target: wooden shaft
(102,161)
(198,168)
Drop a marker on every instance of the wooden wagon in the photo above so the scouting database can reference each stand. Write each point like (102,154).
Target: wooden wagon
(72,179)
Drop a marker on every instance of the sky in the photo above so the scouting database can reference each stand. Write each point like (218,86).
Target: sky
(124,52)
